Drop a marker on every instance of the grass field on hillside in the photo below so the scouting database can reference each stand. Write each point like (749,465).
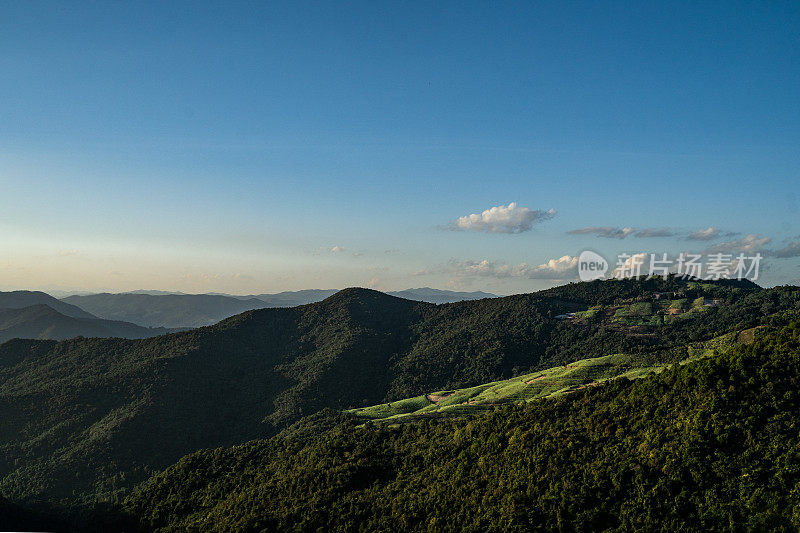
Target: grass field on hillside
(545,383)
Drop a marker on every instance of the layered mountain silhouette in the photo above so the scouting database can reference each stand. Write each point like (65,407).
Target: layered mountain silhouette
(20,299)
(165,310)
(43,322)
(157,309)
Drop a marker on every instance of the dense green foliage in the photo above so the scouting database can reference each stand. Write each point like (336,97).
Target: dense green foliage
(86,419)
(713,445)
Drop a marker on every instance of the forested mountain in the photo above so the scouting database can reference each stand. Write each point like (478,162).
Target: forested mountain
(43,322)
(20,299)
(88,416)
(87,419)
(708,446)
(154,309)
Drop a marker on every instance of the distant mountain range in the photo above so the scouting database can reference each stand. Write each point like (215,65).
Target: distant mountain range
(142,314)
(165,310)
(437,296)
(43,322)
(175,310)
(21,299)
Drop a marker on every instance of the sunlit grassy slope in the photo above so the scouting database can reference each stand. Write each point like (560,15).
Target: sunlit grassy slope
(550,382)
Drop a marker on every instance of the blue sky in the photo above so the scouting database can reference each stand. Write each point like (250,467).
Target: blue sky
(232,146)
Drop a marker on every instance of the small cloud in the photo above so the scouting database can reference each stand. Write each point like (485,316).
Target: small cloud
(373,283)
(357,254)
(64,253)
(708,234)
(654,232)
(704,234)
(790,250)
(502,219)
(338,249)
(606,232)
(749,244)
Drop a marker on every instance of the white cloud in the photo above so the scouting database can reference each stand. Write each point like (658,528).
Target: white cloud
(749,244)
(64,253)
(338,249)
(704,234)
(503,219)
(710,233)
(604,231)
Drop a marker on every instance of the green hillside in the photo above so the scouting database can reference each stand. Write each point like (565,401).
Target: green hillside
(547,383)
(711,445)
(87,419)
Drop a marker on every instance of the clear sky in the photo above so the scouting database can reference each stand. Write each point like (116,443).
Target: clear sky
(251,147)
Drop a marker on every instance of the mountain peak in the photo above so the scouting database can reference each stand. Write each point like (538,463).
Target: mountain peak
(360,294)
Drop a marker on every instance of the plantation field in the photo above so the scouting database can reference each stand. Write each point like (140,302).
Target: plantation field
(551,382)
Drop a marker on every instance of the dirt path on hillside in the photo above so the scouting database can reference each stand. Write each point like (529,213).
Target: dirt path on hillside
(436,398)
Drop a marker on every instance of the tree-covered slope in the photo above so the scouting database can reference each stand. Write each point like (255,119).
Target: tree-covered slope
(708,446)
(89,417)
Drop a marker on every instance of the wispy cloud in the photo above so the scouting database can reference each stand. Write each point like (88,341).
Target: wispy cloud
(709,234)
(502,219)
(654,232)
(606,232)
(792,249)
(749,244)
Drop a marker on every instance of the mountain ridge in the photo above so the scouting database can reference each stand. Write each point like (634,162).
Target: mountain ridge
(142,404)
(196,310)
(20,299)
(40,321)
